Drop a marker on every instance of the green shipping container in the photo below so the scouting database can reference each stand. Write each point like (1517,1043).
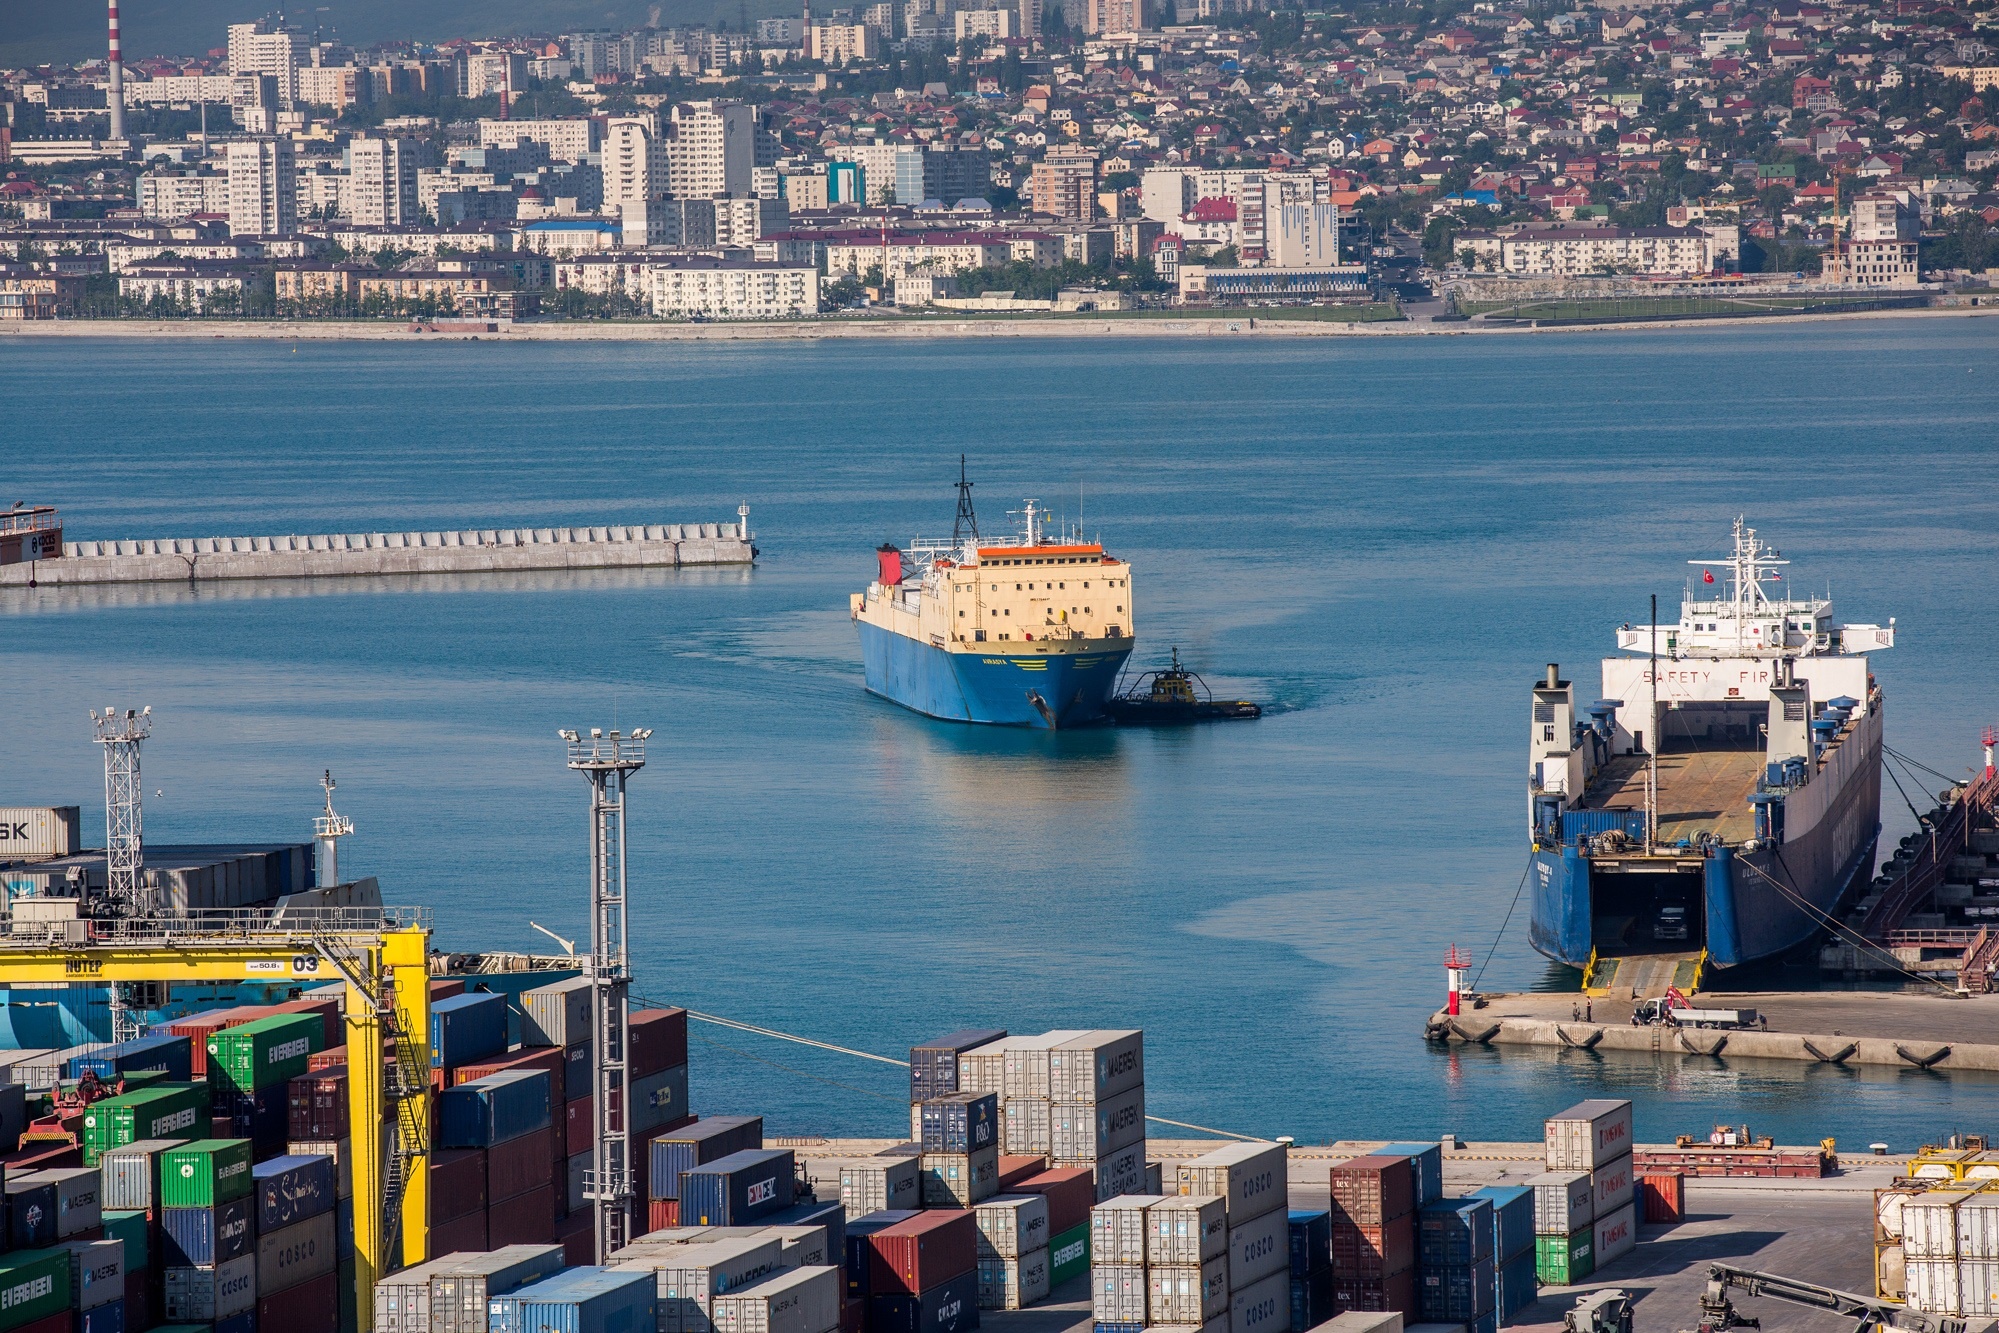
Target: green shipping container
(205,1173)
(171,1111)
(131,1228)
(1069,1255)
(1563,1261)
(34,1284)
(265,1054)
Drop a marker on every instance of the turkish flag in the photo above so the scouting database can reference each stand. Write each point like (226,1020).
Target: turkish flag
(1707,576)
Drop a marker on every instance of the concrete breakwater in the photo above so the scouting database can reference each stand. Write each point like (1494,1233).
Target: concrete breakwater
(481,550)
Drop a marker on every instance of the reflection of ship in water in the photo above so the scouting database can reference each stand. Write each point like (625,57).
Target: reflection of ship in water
(1171,696)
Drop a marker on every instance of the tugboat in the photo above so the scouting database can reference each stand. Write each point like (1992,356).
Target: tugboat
(1172,696)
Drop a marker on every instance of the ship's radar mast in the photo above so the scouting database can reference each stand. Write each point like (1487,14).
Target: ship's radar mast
(967,521)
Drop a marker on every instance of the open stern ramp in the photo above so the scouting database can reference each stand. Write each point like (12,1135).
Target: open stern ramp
(1644,976)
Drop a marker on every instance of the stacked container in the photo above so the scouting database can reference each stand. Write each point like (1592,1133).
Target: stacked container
(250,1069)
(1251,1180)
(1950,1245)
(577,1300)
(922,1274)
(864,1185)
(1513,1248)
(1373,1234)
(1564,1230)
(805,1299)
(1595,1137)
(1312,1302)
(507,1117)
(1070,1191)
(298,1243)
(1186,1257)
(739,1189)
(1096,1105)
(1013,1236)
(673,1153)
(959,1136)
(206,1230)
(1119,1287)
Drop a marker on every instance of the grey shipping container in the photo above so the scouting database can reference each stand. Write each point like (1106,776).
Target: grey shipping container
(403,1300)
(1123,1172)
(557,1015)
(658,1099)
(933,1066)
(79,1198)
(802,1300)
(204,1295)
(37,832)
(1027,1127)
(297,1253)
(1185,1229)
(1013,1284)
(1087,1131)
(1011,1225)
(1260,1247)
(1562,1202)
(1118,1293)
(1026,1064)
(131,1173)
(693,1275)
(1588,1135)
(1251,1176)
(1262,1307)
(96,1272)
(1096,1066)
(983,1068)
(1187,1293)
(1117,1229)
(574,1181)
(959,1179)
(880,1184)
(1616,1234)
(801,1246)
(462,1284)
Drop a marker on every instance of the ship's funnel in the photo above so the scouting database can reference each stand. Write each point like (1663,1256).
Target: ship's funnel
(1554,675)
(891,565)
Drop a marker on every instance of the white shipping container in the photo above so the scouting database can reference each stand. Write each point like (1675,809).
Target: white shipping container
(866,1184)
(1187,1229)
(1978,1228)
(557,1015)
(1026,1061)
(950,1179)
(803,1300)
(1011,1225)
(1096,1066)
(1929,1224)
(1564,1202)
(1117,1229)
(39,832)
(1264,1307)
(1187,1293)
(1588,1135)
(1363,1321)
(1026,1127)
(1086,1131)
(1013,1284)
(1612,1185)
(402,1300)
(1258,1248)
(204,1295)
(983,1068)
(1123,1172)
(690,1276)
(1978,1286)
(1117,1292)
(801,1247)
(1933,1286)
(1251,1176)
(1616,1234)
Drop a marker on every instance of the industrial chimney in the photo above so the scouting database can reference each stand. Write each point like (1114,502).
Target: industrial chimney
(116,60)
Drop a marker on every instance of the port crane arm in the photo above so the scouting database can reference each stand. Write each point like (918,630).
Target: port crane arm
(1869,1313)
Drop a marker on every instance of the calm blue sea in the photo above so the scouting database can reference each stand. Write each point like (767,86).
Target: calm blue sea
(1383,539)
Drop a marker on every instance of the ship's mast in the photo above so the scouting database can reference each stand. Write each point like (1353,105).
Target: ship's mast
(967,521)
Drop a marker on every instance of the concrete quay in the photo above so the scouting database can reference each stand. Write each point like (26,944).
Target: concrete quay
(351,555)
(1934,1031)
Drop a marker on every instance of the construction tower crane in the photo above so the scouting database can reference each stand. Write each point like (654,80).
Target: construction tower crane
(1869,1313)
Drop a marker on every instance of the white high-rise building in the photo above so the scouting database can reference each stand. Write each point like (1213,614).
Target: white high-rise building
(261,48)
(383,173)
(634,161)
(1305,236)
(263,188)
(714,149)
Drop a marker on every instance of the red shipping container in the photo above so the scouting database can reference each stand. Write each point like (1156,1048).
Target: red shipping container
(1368,1191)
(457,1183)
(196,1027)
(139,1301)
(328,1008)
(1391,1293)
(1071,1192)
(1665,1197)
(663,1213)
(461,1235)
(577,1235)
(1374,1252)
(656,1040)
(35,1156)
(318,1105)
(527,1219)
(545,1058)
(1013,1170)
(580,1132)
(444,988)
(313,1306)
(55,1323)
(519,1166)
(853,1315)
(922,1252)
(334,1057)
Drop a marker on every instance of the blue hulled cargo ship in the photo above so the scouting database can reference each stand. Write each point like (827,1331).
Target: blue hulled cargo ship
(1722,798)
(1028,631)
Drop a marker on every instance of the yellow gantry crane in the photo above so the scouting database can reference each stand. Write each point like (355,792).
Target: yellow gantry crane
(380,953)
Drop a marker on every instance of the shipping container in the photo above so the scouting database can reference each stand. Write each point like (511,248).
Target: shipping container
(1517,1284)
(1010,1225)
(263,1117)
(1262,1307)
(1513,1219)
(316,1105)
(1118,1229)
(1185,1230)
(1016,1167)
(202,1237)
(1251,1176)
(1187,1293)
(291,1189)
(687,1279)
(933,1066)
(269,1052)
(1426,1163)
(1027,1126)
(39,833)
(737,1189)
(557,1015)
(682,1150)
(295,1254)
(859,1249)
(1118,1293)
(1024,1062)
(548,1060)
(1071,1193)
(1013,1283)
(204,1173)
(31,1213)
(1374,1252)
(1374,1294)
(1090,1131)
(1368,1191)
(575,1181)
(164,1111)
(467,1028)
(1928,1223)
(827,1214)
(866,1184)
(1124,1172)
(922,1252)
(1564,1202)
(800,1300)
(311,1307)
(521,1165)
(525,1219)
(657,1100)
(1563,1261)
(493,1109)
(577,1300)
(460,1235)
(339,1150)
(133,1230)
(1978,1287)
(205,1295)
(1069,1256)
(96,1272)
(1933,1286)
(1455,1232)
(161,1051)
(1096,1066)
(952,1307)
(578,1127)
(958,1180)
(79,1198)
(1612,1185)
(960,1122)
(34,1285)
(1312,1302)
(462,1284)
(1457,1293)
(1588,1135)
(1665,1197)
(1259,1247)
(655,1039)
(576,1073)
(806,1247)
(1616,1235)
(106,1318)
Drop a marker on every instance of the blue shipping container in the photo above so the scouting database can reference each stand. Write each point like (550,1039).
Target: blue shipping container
(1485,1323)
(579,1300)
(31,1214)
(1453,1232)
(467,1028)
(948,1307)
(933,1066)
(292,1189)
(832,1216)
(961,1122)
(681,1150)
(1513,1218)
(494,1109)
(1516,1285)
(106,1318)
(1427,1161)
(1456,1294)
(173,1054)
(204,1237)
(736,1190)
(856,1248)
(1312,1300)
(1580,824)
(1312,1247)
(237,1323)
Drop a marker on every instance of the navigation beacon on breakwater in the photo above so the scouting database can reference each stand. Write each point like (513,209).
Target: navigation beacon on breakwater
(1029,631)
(1730,823)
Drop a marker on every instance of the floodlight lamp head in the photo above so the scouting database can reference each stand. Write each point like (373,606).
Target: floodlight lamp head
(596,733)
